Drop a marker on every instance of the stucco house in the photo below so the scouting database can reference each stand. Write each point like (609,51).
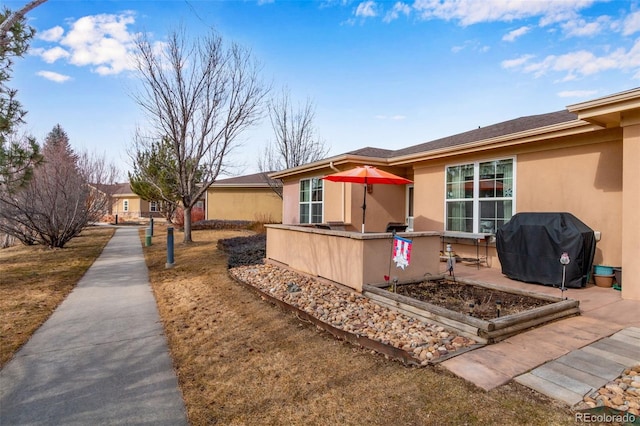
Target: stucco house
(127,204)
(584,160)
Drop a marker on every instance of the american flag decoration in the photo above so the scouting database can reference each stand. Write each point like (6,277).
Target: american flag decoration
(401,251)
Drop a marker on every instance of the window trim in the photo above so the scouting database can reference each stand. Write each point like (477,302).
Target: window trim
(153,206)
(311,203)
(476,190)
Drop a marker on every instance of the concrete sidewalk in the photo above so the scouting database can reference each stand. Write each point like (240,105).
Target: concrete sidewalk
(102,357)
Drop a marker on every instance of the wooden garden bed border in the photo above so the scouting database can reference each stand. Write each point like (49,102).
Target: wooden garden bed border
(483,331)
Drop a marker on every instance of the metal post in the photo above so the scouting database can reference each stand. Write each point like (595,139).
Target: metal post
(564,260)
(151,225)
(116,219)
(170,262)
(147,237)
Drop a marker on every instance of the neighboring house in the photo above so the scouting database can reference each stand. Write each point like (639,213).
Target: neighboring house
(584,160)
(249,197)
(127,204)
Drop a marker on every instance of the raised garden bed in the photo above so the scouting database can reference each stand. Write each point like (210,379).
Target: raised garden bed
(450,304)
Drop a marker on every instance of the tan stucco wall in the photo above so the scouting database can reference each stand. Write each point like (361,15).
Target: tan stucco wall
(631,210)
(290,191)
(349,258)
(339,196)
(253,204)
(585,181)
(137,206)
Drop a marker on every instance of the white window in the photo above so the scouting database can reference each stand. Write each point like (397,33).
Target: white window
(479,196)
(125,205)
(153,206)
(311,204)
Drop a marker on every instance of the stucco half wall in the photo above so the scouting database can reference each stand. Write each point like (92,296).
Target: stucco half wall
(350,258)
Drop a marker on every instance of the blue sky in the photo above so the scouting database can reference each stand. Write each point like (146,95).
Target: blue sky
(381,74)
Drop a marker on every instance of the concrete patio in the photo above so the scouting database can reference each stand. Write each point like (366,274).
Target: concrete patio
(582,341)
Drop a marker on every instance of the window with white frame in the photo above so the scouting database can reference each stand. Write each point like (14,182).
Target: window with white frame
(479,196)
(153,206)
(125,205)
(311,204)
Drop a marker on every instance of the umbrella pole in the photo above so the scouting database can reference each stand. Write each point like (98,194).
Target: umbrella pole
(364,204)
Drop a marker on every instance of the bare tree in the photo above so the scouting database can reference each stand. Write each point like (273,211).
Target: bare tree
(201,95)
(296,141)
(65,194)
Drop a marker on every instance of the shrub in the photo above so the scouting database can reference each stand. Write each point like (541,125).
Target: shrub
(241,251)
(197,214)
(221,224)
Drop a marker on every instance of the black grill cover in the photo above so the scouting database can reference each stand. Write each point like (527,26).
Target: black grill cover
(529,247)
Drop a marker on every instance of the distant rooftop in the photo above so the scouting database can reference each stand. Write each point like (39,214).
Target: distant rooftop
(256,179)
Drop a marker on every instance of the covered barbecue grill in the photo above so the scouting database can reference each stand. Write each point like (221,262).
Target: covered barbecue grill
(529,247)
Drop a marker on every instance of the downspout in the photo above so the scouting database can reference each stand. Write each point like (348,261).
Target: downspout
(335,169)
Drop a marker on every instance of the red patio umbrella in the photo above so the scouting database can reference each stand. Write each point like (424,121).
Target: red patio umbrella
(366,175)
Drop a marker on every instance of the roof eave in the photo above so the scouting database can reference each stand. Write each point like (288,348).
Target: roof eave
(608,111)
(332,162)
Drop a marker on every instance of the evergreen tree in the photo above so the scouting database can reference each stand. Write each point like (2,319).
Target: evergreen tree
(18,155)
(154,177)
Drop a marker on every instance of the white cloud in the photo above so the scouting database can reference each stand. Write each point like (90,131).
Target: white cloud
(397,117)
(512,35)
(580,63)
(469,12)
(473,45)
(514,63)
(366,9)
(53,54)
(52,34)
(577,93)
(582,28)
(398,8)
(101,41)
(631,24)
(53,76)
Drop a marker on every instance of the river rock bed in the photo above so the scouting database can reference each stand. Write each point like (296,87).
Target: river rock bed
(352,312)
(622,394)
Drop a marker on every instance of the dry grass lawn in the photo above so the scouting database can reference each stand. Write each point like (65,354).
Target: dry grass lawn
(35,279)
(243,361)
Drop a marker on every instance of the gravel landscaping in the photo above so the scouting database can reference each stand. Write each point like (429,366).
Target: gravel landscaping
(622,394)
(353,312)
